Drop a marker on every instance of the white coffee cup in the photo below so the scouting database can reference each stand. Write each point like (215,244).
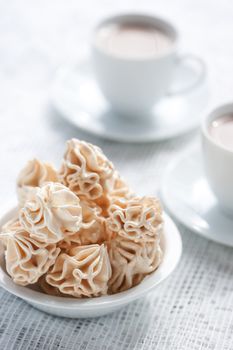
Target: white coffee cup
(132,85)
(218,161)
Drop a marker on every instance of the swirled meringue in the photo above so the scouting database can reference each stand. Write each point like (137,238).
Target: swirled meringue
(84,271)
(26,258)
(11,226)
(117,190)
(131,262)
(92,230)
(136,218)
(52,213)
(34,174)
(86,170)
(120,188)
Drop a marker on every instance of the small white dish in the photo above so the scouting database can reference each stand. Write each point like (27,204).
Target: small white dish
(77,97)
(187,196)
(93,307)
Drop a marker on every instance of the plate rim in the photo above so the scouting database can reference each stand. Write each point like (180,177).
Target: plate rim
(111,136)
(177,216)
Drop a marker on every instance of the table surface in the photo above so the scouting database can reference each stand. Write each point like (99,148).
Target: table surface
(193,309)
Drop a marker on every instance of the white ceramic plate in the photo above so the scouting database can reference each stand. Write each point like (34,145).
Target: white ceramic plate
(76,96)
(93,307)
(187,196)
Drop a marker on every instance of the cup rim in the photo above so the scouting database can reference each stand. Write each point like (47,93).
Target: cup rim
(215,114)
(168,28)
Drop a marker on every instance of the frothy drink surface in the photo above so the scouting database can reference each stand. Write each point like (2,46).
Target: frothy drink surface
(133,40)
(221,130)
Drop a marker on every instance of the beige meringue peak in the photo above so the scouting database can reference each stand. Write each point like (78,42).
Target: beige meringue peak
(82,272)
(34,174)
(11,226)
(120,188)
(86,170)
(131,262)
(52,213)
(26,258)
(135,218)
(92,230)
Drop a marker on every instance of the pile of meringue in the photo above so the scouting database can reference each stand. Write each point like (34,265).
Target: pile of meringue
(80,231)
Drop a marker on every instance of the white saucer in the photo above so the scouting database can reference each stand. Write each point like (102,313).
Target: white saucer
(92,307)
(186,194)
(76,96)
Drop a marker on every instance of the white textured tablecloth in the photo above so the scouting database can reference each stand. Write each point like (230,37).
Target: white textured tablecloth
(193,309)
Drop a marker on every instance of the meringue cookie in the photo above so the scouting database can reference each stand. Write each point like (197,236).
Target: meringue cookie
(131,262)
(92,229)
(120,188)
(52,213)
(84,271)
(11,226)
(34,174)
(86,170)
(26,258)
(135,218)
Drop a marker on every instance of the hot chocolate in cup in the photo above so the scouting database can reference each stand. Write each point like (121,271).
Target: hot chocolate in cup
(217,141)
(134,57)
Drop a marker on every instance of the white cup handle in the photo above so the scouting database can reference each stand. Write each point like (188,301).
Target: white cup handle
(186,59)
